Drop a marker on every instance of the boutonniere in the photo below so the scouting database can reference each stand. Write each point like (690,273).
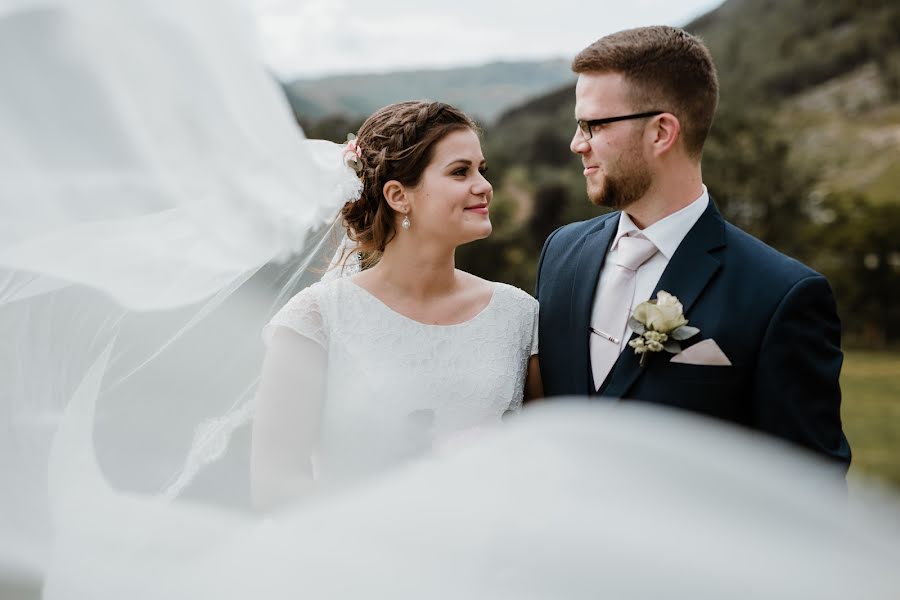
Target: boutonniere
(660,325)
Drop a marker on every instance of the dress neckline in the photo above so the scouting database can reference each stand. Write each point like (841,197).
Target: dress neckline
(378,301)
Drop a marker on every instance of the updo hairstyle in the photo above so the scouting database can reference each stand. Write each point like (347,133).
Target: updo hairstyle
(397,143)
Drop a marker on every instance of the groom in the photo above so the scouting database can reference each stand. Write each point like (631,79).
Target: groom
(767,355)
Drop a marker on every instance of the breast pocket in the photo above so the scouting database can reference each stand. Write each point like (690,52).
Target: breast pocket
(715,391)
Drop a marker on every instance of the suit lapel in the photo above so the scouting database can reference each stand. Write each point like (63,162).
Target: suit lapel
(587,272)
(686,276)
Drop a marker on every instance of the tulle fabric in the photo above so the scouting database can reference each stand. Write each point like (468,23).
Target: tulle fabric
(570,500)
(157,206)
(147,154)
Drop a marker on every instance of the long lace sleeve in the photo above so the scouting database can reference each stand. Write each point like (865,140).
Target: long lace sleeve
(534,329)
(289,404)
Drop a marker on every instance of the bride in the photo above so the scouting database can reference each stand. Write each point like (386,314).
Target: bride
(368,369)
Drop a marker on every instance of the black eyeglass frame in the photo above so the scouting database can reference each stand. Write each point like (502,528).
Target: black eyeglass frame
(586,126)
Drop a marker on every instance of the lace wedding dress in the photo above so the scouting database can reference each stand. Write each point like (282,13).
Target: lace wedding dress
(397,388)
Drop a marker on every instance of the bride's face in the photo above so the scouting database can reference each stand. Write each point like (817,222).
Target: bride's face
(450,203)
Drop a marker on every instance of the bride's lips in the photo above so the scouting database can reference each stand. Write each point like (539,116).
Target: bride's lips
(481,209)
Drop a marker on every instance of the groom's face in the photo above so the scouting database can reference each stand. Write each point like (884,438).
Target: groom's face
(616,172)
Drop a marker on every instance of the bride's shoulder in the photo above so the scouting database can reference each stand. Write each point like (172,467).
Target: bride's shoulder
(504,291)
(307,312)
(505,294)
(516,295)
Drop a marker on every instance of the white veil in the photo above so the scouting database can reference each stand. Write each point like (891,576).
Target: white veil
(157,205)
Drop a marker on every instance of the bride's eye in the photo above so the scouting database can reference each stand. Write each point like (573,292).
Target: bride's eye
(483,170)
(460,171)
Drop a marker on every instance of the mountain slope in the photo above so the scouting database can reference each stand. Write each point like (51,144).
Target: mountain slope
(783,47)
(828,73)
(484,91)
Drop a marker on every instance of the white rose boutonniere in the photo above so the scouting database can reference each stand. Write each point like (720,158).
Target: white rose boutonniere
(660,324)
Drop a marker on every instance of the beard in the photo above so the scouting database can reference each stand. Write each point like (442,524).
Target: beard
(624,184)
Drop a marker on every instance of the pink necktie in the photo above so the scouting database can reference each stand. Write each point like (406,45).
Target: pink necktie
(612,307)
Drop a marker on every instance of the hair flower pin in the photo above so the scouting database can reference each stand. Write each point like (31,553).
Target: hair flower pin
(353,154)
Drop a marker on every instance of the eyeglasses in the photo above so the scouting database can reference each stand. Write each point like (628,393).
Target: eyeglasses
(587,126)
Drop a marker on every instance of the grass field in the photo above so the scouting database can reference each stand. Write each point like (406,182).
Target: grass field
(871,413)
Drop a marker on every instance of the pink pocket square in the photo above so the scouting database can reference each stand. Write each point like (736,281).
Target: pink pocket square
(706,352)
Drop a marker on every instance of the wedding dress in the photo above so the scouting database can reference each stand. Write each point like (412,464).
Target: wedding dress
(159,206)
(397,388)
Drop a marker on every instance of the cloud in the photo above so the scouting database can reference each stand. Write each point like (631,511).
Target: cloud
(315,37)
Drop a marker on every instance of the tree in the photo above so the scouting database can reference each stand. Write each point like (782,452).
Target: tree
(747,169)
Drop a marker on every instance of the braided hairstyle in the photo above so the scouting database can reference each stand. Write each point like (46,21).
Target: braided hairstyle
(397,143)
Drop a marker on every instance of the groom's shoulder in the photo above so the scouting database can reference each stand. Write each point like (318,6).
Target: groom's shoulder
(573,231)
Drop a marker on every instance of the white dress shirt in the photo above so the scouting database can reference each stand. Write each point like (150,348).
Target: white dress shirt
(666,234)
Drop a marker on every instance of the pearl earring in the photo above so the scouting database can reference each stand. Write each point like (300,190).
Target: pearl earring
(405,223)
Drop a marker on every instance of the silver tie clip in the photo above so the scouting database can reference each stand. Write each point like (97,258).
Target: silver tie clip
(603,334)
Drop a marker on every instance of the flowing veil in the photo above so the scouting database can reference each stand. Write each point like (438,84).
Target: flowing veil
(157,205)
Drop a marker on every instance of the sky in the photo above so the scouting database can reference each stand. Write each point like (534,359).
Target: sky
(312,38)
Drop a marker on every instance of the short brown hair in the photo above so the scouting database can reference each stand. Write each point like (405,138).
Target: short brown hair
(397,143)
(667,69)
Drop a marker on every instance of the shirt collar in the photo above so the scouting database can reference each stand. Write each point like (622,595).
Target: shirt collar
(666,234)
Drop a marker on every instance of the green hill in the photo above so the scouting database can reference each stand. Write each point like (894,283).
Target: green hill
(484,91)
(829,72)
(767,48)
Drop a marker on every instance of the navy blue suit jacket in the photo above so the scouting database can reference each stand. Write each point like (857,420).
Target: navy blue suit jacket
(773,317)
